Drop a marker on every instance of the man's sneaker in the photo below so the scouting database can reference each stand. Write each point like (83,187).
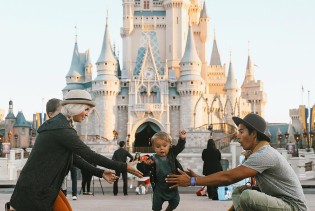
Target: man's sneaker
(74,197)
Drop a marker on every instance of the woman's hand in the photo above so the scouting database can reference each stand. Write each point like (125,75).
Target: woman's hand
(109,176)
(178,180)
(132,170)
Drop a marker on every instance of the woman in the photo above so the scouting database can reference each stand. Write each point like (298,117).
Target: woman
(211,158)
(56,146)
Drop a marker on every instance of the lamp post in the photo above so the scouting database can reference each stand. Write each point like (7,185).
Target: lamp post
(297,137)
(210,128)
(286,136)
(312,136)
(280,138)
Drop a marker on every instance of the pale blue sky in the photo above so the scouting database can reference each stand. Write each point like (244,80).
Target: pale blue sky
(37,39)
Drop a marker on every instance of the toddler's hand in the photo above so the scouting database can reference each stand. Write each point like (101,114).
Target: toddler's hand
(182,134)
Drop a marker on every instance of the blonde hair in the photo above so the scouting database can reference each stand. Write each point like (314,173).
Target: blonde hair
(70,110)
(162,136)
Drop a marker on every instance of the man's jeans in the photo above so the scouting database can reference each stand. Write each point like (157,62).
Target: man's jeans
(254,200)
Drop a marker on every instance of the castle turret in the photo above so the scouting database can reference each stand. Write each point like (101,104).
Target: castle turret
(252,90)
(106,86)
(21,132)
(9,121)
(190,85)
(125,33)
(231,89)
(80,71)
(176,31)
(203,27)
(216,76)
(88,67)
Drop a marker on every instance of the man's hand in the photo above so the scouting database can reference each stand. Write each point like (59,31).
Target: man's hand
(182,135)
(109,176)
(179,180)
(132,170)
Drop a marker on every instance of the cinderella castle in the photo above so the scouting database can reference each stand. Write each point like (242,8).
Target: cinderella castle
(164,81)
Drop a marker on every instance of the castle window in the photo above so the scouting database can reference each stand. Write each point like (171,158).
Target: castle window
(105,63)
(105,82)
(146,5)
(173,97)
(177,20)
(125,84)
(172,84)
(191,82)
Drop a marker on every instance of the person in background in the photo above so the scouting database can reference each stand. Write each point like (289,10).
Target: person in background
(86,181)
(131,176)
(144,182)
(211,157)
(57,146)
(121,155)
(280,188)
(73,172)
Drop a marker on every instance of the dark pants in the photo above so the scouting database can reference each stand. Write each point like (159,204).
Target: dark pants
(86,181)
(125,185)
(212,192)
(73,172)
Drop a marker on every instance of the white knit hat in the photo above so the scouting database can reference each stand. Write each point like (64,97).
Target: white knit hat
(78,97)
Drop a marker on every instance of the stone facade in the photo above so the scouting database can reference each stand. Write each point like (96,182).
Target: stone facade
(165,82)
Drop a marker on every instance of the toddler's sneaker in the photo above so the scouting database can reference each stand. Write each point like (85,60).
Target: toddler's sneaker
(137,190)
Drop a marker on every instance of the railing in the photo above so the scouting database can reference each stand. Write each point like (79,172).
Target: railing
(220,128)
(143,149)
(148,107)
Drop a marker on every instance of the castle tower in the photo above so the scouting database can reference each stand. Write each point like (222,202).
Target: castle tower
(88,67)
(125,33)
(231,89)
(216,76)
(252,90)
(106,87)
(80,71)
(190,85)
(21,132)
(203,27)
(176,31)
(9,121)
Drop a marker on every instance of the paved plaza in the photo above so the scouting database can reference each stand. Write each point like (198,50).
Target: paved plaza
(134,202)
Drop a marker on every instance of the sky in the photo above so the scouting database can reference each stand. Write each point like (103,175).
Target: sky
(37,39)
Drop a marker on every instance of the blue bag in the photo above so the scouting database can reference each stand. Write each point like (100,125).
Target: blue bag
(225,193)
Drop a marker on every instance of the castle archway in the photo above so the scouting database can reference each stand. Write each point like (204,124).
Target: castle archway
(143,136)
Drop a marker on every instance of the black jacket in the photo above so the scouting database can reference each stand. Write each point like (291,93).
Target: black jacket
(49,162)
(173,162)
(211,158)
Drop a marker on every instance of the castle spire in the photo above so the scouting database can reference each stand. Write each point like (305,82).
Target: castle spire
(215,56)
(75,67)
(249,75)
(231,82)
(107,54)
(190,54)
(10,114)
(203,13)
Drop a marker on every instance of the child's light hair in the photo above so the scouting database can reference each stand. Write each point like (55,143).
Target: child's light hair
(161,135)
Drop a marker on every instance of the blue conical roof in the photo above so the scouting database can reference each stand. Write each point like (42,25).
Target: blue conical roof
(190,54)
(20,121)
(107,54)
(231,82)
(76,67)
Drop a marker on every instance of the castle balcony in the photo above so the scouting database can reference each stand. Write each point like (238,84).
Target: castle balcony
(155,109)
